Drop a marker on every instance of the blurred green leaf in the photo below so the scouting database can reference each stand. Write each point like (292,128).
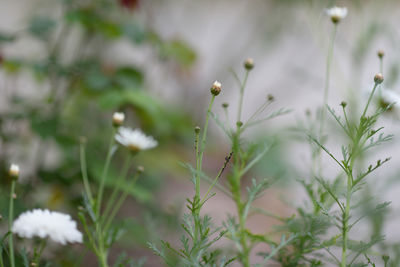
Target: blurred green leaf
(45,127)
(134,32)
(179,51)
(128,77)
(6,38)
(41,27)
(11,66)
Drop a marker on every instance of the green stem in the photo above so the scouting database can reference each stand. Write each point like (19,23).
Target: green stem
(85,178)
(204,137)
(10,222)
(103,259)
(105,171)
(327,80)
(216,178)
(235,181)
(369,100)
(199,161)
(112,199)
(118,205)
(196,145)
(239,117)
(346,215)
(38,252)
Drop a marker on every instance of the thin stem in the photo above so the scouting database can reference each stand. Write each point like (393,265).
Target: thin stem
(350,131)
(235,181)
(118,205)
(226,115)
(204,137)
(327,80)
(38,252)
(112,199)
(227,159)
(346,215)
(196,145)
(105,171)
(241,95)
(199,161)
(369,100)
(10,221)
(92,242)
(85,178)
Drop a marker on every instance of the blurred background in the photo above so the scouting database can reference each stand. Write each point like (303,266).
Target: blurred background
(67,65)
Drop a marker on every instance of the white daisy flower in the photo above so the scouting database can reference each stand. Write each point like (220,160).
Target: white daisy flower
(388,97)
(57,226)
(135,140)
(336,13)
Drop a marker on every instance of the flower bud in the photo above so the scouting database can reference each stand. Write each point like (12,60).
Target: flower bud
(225,105)
(197,129)
(249,64)
(118,119)
(239,124)
(343,104)
(381,54)
(378,78)
(140,169)
(216,88)
(14,171)
(270,97)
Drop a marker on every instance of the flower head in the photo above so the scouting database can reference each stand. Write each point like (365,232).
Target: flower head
(57,226)
(380,53)
(216,88)
(118,118)
(336,13)
(135,140)
(249,64)
(388,97)
(14,171)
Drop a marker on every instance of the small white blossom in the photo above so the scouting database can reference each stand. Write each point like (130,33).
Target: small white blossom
(57,226)
(388,97)
(135,140)
(217,84)
(336,13)
(118,118)
(14,170)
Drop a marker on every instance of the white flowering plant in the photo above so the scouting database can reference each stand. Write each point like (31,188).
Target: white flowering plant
(326,229)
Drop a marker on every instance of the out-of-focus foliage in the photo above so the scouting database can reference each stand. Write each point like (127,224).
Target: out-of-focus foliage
(74,91)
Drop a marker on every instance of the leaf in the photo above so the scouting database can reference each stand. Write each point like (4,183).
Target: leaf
(180,51)
(6,37)
(134,32)
(41,27)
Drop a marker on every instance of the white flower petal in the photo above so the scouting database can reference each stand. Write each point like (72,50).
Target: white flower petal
(57,226)
(338,12)
(135,138)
